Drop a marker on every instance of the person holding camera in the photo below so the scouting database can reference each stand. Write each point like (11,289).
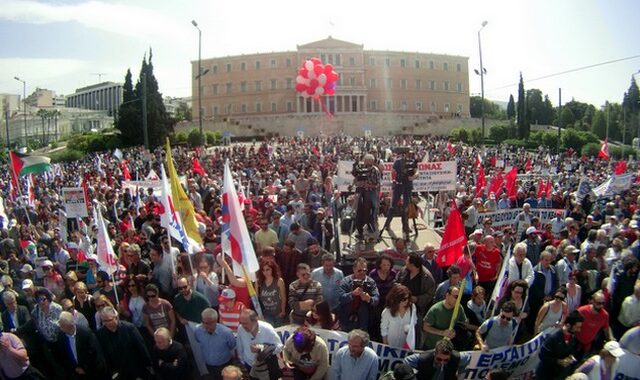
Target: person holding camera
(358,295)
(405,170)
(367,181)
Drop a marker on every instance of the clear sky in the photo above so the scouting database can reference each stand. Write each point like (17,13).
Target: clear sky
(61,44)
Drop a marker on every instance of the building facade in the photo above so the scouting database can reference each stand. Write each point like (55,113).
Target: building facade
(106,96)
(43,98)
(429,86)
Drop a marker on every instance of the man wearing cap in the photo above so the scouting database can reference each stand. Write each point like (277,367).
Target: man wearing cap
(230,309)
(603,365)
(567,264)
(533,244)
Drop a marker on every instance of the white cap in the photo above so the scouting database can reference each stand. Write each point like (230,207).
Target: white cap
(614,349)
(26,284)
(531,230)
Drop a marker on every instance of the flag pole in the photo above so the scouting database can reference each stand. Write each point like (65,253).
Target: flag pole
(252,293)
(456,308)
(115,289)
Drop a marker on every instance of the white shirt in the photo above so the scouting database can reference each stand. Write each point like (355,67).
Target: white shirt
(527,271)
(630,311)
(396,328)
(265,335)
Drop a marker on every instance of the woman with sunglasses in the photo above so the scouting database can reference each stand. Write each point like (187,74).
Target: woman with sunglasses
(100,301)
(157,312)
(206,281)
(552,313)
(397,315)
(132,304)
(517,293)
(46,315)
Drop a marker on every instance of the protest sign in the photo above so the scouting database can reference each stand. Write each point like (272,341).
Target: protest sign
(74,202)
(134,186)
(508,217)
(432,176)
(519,360)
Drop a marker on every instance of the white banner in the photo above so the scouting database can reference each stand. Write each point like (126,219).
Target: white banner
(136,185)
(74,202)
(520,360)
(508,216)
(616,184)
(432,176)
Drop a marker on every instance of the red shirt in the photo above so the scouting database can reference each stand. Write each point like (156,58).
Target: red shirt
(591,325)
(487,262)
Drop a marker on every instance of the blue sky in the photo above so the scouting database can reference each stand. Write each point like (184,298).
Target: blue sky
(61,44)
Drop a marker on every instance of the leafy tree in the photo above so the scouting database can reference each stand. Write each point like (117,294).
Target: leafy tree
(491,109)
(183,112)
(599,124)
(129,123)
(195,138)
(511,108)
(523,123)
(631,108)
(567,118)
(539,109)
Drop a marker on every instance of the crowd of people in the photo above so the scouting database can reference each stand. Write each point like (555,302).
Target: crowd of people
(168,314)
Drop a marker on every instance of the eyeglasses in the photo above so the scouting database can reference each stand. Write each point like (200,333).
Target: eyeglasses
(360,270)
(41,299)
(152,295)
(183,287)
(504,317)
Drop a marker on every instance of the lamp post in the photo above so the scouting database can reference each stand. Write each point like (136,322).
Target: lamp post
(24,106)
(484,23)
(199,76)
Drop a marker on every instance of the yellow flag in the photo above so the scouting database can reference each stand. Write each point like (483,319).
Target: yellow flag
(456,309)
(181,201)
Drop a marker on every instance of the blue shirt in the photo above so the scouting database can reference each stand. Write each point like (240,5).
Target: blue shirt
(330,285)
(216,347)
(344,366)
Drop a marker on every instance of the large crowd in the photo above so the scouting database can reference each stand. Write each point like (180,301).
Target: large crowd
(169,314)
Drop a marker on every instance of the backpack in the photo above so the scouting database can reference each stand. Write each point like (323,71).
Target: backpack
(514,326)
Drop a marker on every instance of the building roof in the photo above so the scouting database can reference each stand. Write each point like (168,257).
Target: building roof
(329,43)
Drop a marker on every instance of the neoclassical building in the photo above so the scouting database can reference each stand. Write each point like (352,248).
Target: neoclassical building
(423,86)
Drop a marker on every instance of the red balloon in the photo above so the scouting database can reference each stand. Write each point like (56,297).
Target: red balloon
(332,77)
(314,83)
(328,68)
(300,87)
(311,91)
(329,91)
(318,69)
(316,61)
(302,71)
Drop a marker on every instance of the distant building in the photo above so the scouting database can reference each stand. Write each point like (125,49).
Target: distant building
(106,96)
(43,98)
(171,104)
(11,103)
(387,83)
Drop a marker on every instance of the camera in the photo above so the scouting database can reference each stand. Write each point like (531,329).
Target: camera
(357,284)
(360,171)
(410,168)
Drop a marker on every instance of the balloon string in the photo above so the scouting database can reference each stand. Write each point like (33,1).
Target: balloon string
(324,108)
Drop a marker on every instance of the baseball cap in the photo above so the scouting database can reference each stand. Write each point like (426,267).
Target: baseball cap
(226,295)
(531,230)
(47,263)
(477,232)
(26,268)
(26,284)
(614,349)
(92,257)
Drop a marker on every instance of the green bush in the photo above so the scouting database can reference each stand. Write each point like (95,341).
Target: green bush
(213,138)
(475,136)
(501,132)
(590,149)
(181,138)
(113,141)
(521,143)
(577,139)
(460,134)
(67,155)
(195,138)
(622,151)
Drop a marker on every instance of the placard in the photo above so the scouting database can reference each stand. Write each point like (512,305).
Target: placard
(74,202)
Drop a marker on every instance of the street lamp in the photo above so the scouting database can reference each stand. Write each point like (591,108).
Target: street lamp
(484,23)
(24,106)
(200,74)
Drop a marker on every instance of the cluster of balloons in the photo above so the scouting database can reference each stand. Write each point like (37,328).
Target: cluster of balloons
(316,79)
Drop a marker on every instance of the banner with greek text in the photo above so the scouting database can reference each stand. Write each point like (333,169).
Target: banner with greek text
(519,360)
(74,202)
(508,217)
(432,176)
(146,184)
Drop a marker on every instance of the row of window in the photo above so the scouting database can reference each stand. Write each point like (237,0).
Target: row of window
(335,59)
(373,83)
(373,106)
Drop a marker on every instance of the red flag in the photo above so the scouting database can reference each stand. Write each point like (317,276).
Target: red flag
(549,188)
(510,178)
(125,171)
(541,188)
(494,160)
(621,167)
(197,168)
(604,151)
(496,184)
(481,182)
(527,166)
(453,240)
(450,148)
(478,160)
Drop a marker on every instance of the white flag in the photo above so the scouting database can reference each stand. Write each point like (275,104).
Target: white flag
(106,257)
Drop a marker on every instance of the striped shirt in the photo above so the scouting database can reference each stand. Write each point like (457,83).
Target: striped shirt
(299,292)
(230,317)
